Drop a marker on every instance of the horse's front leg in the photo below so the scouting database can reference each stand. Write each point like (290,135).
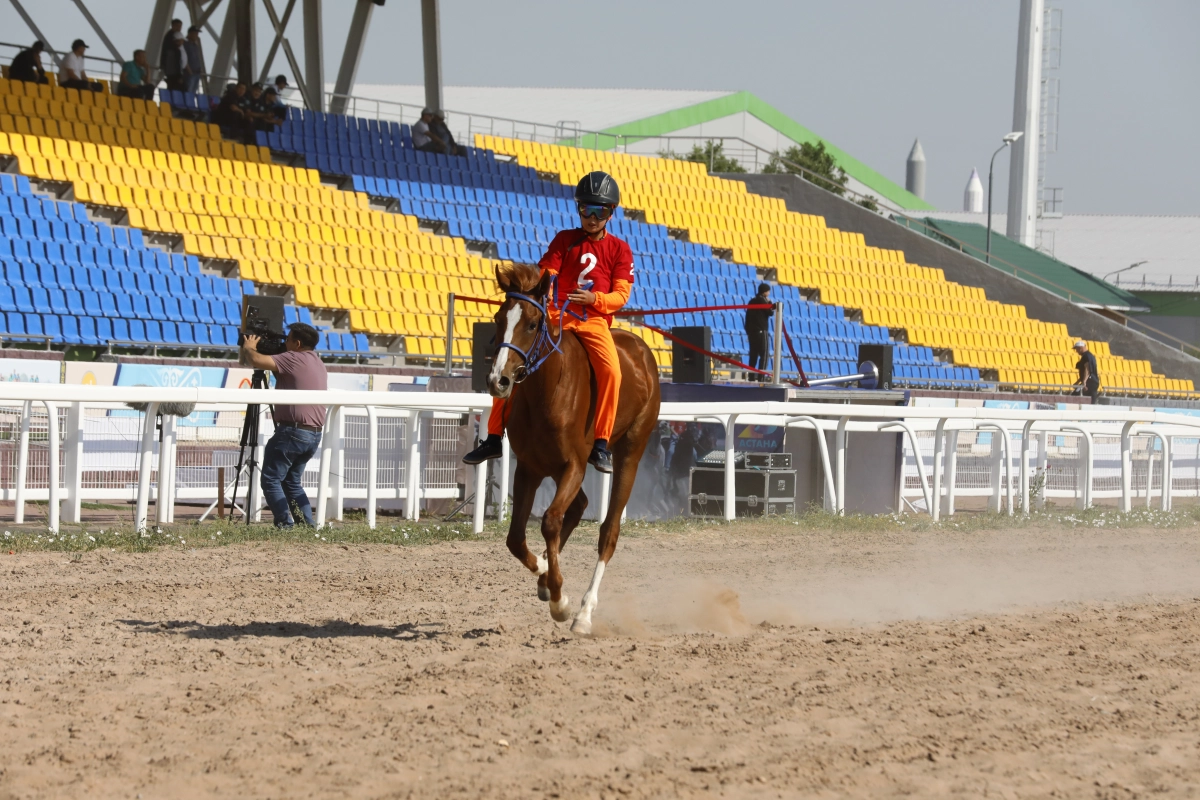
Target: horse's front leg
(525,487)
(573,515)
(552,524)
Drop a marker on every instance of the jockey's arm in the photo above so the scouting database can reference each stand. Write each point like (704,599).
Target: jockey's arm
(608,302)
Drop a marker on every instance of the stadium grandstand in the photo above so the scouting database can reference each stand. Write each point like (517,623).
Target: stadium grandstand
(130,223)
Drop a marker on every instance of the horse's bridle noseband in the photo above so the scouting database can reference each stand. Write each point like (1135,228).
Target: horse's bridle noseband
(543,343)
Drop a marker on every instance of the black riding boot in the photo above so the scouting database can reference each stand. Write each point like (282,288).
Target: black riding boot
(600,458)
(491,447)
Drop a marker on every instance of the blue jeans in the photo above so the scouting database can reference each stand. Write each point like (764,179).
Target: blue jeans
(283,465)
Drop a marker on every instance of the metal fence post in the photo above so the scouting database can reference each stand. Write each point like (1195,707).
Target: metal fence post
(53,507)
(72,505)
(449,333)
(23,462)
(730,475)
(166,473)
(839,449)
(777,362)
(327,443)
(505,466)
(372,463)
(338,490)
(412,475)
(481,480)
(145,465)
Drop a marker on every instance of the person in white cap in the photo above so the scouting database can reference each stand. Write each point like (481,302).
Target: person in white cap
(1089,375)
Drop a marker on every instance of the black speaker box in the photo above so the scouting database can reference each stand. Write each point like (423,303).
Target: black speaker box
(881,356)
(688,366)
(483,345)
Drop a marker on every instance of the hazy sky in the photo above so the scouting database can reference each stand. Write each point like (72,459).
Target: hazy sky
(869,75)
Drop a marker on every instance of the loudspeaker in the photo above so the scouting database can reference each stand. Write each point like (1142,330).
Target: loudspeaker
(483,345)
(260,312)
(688,366)
(881,356)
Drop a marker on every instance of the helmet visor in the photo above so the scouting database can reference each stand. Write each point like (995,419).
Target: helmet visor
(599,212)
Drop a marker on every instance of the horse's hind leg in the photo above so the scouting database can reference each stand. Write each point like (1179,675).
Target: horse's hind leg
(525,486)
(570,520)
(625,464)
(552,525)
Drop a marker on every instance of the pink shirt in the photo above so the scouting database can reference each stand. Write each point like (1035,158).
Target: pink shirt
(300,370)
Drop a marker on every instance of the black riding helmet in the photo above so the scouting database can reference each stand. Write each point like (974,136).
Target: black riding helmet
(598,189)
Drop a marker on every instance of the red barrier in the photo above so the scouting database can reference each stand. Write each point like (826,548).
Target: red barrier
(637,313)
(802,383)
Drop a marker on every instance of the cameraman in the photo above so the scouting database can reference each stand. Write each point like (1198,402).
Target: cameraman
(297,428)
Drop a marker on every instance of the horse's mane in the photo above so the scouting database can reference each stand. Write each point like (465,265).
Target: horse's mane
(518,277)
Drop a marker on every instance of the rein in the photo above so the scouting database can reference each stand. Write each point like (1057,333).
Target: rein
(544,344)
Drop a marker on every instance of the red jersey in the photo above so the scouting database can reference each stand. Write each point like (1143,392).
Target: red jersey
(604,267)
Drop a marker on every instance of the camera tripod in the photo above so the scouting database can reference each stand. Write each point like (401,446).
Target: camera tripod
(249,440)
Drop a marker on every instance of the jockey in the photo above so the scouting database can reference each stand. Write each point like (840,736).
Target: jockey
(595,278)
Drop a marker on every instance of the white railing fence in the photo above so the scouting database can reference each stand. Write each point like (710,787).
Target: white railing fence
(100,449)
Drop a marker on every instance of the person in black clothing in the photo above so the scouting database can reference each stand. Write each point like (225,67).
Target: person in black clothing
(168,43)
(175,62)
(439,128)
(267,112)
(1089,374)
(758,324)
(233,113)
(27,66)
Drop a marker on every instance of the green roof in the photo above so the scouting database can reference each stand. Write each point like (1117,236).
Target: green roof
(721,107)
(1028,264)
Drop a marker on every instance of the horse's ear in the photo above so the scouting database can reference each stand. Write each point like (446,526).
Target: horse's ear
(543,286)
(502,279)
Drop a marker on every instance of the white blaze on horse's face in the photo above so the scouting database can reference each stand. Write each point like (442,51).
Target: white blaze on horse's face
(500,384)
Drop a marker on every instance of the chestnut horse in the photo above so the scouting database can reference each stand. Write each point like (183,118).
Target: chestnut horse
(545,374)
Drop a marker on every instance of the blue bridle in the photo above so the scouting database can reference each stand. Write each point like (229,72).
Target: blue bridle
(544,344)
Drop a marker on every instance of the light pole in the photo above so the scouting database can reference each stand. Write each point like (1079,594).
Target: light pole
(1009,138)
(1124,269)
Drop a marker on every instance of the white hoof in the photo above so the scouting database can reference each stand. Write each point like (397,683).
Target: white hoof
(543,565)
(582,626)
(561,611)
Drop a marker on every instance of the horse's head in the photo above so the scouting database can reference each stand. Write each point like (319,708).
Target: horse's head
(517,325)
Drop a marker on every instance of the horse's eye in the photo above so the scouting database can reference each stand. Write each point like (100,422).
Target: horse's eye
(532,327)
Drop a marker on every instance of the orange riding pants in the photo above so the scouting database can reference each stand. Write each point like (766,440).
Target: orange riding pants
(596,338)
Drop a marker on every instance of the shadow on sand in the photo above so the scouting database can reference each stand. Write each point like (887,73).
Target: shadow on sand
(329,629)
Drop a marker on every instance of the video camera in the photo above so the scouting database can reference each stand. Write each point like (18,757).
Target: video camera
(263,317)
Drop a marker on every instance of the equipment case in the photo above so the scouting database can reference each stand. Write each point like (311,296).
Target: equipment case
(757,492)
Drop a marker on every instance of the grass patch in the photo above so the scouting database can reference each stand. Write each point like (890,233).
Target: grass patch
(354,530)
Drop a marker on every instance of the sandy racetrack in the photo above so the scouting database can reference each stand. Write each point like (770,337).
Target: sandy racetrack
(739,661)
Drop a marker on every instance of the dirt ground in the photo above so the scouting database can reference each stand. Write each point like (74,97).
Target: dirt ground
(739,663)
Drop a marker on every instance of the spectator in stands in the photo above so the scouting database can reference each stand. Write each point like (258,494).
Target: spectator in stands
(72,74)
(135,78)
(262,108)
(281,86)
(439,129)
(194,49)
(297,428)
(175,63)
(758,324)
(168,43)
(1089,374)
(27,66)
(233,112)
(424,137)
